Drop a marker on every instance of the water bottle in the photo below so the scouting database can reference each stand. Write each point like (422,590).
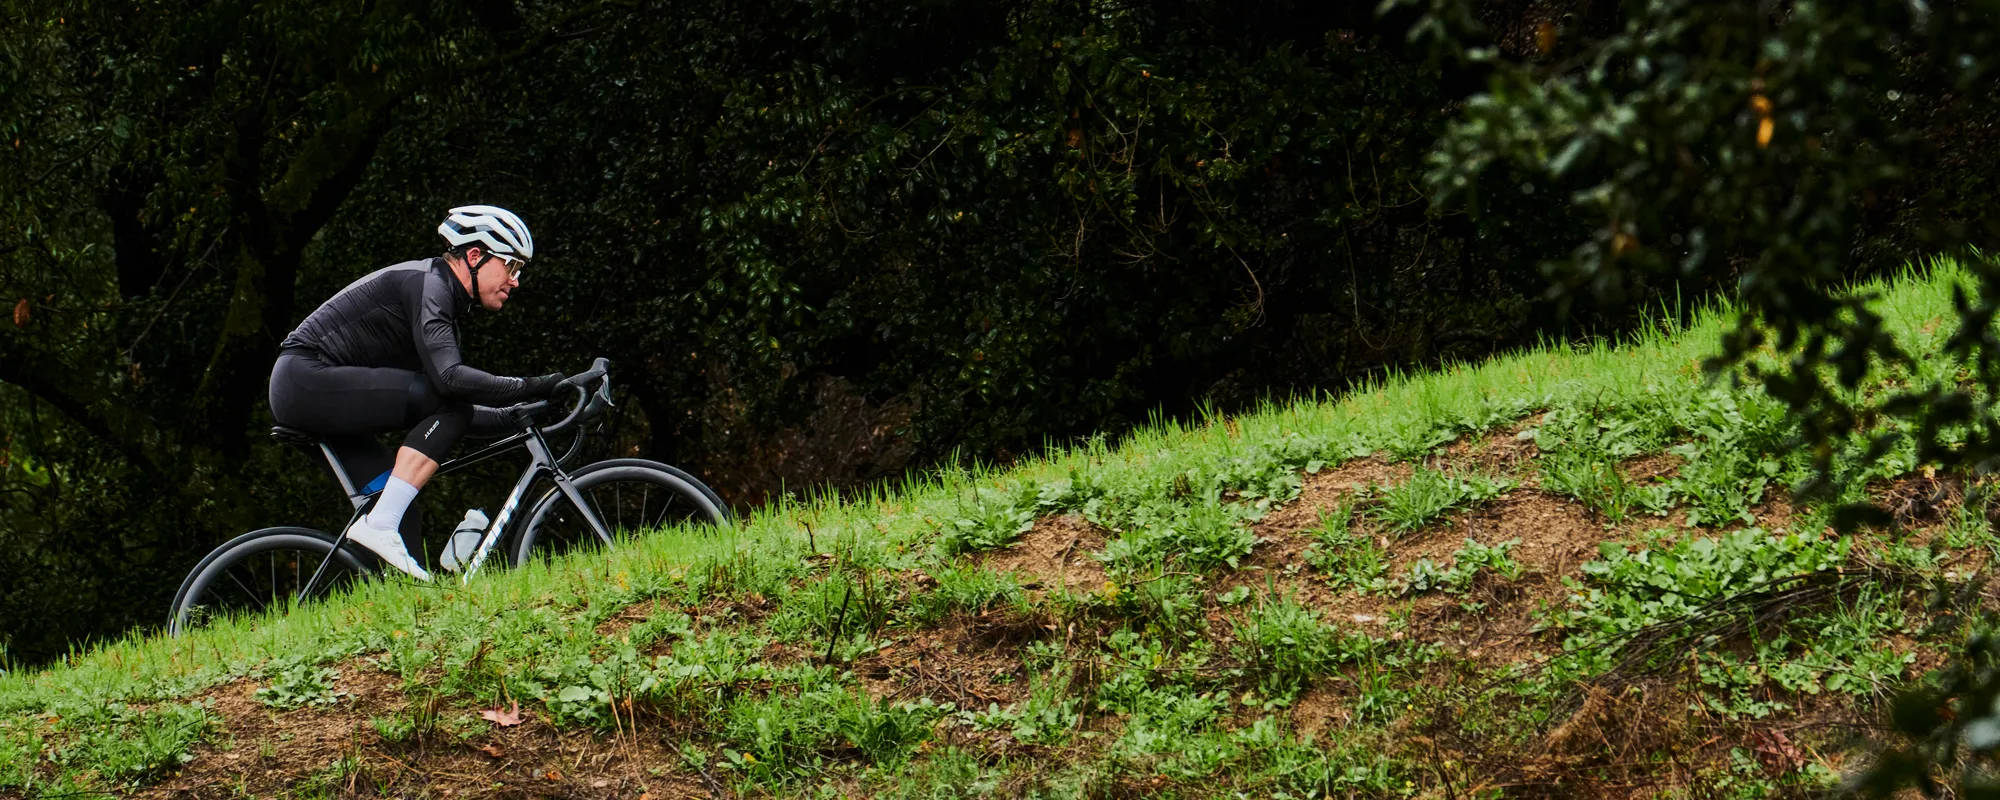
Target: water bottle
(464,542)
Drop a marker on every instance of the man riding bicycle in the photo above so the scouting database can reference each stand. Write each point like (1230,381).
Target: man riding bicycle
(383,355)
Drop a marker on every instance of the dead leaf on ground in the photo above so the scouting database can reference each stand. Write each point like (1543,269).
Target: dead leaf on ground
(493,750)
(504,718)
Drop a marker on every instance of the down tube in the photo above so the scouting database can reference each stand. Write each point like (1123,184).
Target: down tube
(491,541)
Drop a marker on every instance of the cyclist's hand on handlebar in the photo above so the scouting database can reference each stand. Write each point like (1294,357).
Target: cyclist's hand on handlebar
(588,377)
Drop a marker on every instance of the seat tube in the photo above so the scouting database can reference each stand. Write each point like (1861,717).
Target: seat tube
(340,474)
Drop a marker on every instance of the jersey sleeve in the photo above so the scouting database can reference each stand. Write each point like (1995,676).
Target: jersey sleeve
(436,336)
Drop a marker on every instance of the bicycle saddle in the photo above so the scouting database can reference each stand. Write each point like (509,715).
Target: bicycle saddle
(294,436)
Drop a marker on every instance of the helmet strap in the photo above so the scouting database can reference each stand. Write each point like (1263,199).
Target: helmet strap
(473,270)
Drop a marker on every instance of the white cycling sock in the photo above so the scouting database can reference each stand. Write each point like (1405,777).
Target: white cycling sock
(388,512)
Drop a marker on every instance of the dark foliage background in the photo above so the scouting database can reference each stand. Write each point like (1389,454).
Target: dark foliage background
(825,241)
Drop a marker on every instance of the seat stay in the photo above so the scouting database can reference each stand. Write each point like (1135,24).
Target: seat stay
(306,589)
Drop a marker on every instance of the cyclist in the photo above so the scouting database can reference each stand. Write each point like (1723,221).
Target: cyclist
(382,355)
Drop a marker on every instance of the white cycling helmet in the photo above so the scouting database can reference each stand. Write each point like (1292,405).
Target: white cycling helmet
(492,227)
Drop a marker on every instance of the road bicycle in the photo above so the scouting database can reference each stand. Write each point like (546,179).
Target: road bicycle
(595,505)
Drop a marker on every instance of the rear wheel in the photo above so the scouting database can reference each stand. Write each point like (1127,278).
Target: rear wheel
(630,497)
(262,571)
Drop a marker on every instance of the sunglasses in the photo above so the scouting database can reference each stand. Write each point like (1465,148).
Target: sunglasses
(514,265)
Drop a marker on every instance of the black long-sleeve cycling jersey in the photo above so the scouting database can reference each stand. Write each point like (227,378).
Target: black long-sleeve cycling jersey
(405,316)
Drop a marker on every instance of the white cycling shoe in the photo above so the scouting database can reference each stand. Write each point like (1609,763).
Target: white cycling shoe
(388,545)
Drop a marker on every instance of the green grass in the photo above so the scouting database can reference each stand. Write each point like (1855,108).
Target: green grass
(1153,680)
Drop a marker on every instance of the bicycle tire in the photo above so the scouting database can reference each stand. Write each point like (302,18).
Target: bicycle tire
(202,594)
(551,527)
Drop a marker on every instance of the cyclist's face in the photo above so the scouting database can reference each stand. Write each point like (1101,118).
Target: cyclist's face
(497,281)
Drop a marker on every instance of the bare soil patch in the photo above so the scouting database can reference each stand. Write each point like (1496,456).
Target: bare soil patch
(1500,452)
(1286,530)
(1055,554)
(1655,467)
(969,660)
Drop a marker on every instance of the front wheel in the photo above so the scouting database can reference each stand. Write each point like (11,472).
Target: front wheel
(630,497)
(261,571)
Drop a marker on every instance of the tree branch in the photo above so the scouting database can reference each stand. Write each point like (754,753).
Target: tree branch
(117,424)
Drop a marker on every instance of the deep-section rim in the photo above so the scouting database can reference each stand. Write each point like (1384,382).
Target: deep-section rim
(254,543)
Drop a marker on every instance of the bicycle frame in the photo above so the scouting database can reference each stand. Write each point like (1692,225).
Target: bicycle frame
(542,462)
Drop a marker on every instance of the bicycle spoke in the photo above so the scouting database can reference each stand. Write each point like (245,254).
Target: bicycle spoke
(671,497)
(247,591)
(597,509)
(625,514)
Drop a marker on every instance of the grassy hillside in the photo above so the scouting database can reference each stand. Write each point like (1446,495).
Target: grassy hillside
(1570,572)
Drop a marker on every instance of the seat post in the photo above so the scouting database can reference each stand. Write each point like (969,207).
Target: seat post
(340,472)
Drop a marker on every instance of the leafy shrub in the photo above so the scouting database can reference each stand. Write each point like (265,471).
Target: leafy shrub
(1625,590)
(994,520)
(20,747)
(122,744)
(1842,647)
(1425,575)
(580,689)
(1269,473)
(1582,449)
(843,607)
(1721,483)
(1174,731)
(1047,717)
(1643,425)
(1169,602)
(1411,438)
(1598,483)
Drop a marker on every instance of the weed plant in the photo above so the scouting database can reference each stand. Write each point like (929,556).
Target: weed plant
(1431,494)
(1348,559)
(1425,575)
(963,589)
(1200,535)
(1283,646)
(1048,717)
(295,684)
